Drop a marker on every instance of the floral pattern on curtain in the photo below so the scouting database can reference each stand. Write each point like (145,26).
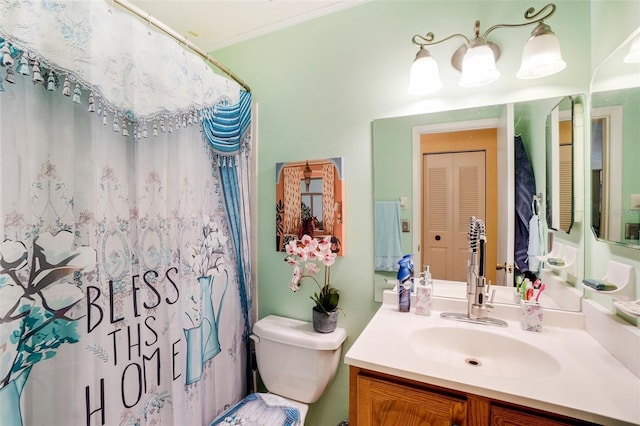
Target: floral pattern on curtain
(125,288)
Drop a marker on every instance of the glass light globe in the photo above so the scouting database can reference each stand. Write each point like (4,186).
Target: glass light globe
(478,66)
(541,57)
(424,76)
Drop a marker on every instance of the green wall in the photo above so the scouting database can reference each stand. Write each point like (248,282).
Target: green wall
(319,86)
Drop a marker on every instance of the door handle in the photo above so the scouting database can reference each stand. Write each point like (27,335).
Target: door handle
(504,266)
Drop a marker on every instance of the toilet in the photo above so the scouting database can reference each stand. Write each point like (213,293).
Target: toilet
(296,364)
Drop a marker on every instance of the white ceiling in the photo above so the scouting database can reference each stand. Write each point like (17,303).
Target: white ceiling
(213,24)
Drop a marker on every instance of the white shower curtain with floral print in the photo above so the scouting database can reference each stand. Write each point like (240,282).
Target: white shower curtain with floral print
(119,298)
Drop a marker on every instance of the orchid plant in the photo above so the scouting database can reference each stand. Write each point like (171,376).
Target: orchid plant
(306,255)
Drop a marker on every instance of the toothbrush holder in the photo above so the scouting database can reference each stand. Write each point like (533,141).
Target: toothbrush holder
(517,296)
(532,314)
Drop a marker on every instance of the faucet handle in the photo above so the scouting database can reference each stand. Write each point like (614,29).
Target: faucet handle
(489,304)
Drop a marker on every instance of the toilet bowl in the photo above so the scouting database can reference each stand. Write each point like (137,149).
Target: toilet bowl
(295,363)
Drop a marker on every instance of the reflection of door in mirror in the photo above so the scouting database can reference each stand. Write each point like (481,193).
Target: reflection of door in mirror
(310,200)
(560,177)
(566,173)
(459,181)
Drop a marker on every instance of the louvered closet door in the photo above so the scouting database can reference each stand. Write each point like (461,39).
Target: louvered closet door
(566,186)
(565,154)
(454,185)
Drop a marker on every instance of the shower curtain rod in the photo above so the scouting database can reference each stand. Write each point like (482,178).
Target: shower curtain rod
(158,24)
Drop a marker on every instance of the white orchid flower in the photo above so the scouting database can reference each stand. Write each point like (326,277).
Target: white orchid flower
(291,247)
(295,278)
(325,245)
(309,243)
(312,268)
(329,259)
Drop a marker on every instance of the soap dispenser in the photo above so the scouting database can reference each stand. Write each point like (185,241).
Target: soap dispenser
(424,292)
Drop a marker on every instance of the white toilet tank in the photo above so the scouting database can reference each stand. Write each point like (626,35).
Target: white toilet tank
(294,361)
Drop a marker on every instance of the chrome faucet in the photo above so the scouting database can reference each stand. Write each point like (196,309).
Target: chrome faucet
(478,301)
(476,282)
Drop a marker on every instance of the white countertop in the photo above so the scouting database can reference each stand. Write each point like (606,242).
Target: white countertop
(591,384)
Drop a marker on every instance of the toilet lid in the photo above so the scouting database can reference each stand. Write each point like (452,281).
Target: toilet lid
(261,409)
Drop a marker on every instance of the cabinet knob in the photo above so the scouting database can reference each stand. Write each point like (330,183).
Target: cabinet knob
(438,237)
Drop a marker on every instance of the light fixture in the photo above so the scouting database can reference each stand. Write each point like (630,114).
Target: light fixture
(424,65)
(307,176)
(541,55)
(477,58)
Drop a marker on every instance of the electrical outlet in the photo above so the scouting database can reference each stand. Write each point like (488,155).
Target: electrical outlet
(405,225)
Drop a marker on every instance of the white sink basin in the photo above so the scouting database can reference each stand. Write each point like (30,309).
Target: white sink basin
(483,352)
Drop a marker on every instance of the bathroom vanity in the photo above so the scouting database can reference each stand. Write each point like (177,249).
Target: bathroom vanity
(414,370)
(382,399)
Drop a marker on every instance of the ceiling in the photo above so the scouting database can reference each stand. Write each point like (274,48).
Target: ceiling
(213,24)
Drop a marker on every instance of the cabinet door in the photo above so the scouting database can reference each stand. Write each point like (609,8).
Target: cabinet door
(502,416)
(382,403)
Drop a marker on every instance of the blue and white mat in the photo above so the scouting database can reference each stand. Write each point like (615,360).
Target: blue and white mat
(260,409)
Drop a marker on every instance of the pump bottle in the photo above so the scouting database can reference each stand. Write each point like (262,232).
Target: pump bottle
(424,292)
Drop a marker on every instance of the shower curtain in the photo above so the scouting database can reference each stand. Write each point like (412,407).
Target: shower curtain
(125,289)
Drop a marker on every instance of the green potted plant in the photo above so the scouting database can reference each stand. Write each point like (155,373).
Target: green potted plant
(306,255)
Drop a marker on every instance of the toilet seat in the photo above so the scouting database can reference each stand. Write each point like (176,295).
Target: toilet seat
(265,409)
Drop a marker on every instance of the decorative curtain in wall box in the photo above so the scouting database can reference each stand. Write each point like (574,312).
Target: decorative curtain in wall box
(124,298)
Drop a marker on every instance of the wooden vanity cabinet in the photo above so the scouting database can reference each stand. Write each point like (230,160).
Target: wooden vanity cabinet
(382,403)
(378,399)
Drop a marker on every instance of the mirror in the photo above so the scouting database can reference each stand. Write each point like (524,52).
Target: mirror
(393,180)
(560,160)
(310,200)
(393,184)
(615,129)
